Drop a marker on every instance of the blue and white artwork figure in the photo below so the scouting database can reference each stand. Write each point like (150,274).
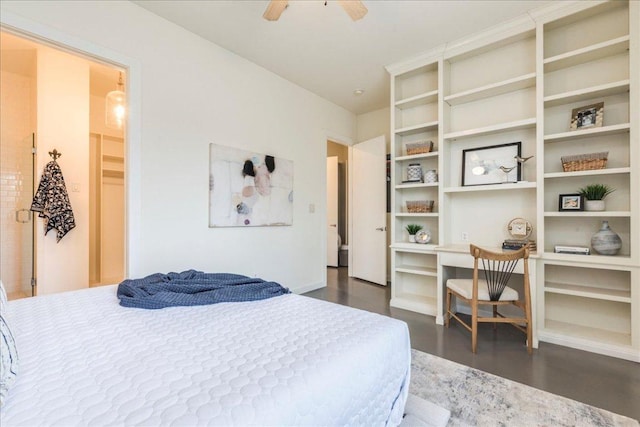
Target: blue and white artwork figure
(249,189)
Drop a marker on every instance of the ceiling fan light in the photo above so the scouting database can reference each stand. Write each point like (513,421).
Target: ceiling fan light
(355,9)
(275,9)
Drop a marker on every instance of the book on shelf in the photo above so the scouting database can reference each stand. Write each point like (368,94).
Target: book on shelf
(575,250)
(515,244)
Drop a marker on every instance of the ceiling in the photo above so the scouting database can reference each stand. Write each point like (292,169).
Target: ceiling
(319,48)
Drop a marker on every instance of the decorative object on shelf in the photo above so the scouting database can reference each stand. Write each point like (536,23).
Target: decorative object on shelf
(573,250)
(606,241)
(420,147)
(412,229)
(115,106)
(519,228)
(521,161)
(423,236)
(594,195)
(419,206)
(506,171)
(484,165)
(414,172)
(584,162)
(587,116)
(571,202)
(431,176)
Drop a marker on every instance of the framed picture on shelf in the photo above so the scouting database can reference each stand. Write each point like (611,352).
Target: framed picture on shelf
(571,202)
(495,164)
(587,116)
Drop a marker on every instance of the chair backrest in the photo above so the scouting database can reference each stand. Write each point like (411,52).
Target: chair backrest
(497,267)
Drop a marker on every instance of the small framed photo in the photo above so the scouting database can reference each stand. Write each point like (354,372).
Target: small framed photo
(587,116)
(571,202)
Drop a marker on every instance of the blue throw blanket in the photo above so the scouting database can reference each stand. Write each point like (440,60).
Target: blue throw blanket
(194,288)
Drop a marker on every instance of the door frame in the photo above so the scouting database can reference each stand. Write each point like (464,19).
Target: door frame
(348,142)
(46,35)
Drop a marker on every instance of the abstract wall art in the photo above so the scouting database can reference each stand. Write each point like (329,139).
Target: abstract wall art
(249,189)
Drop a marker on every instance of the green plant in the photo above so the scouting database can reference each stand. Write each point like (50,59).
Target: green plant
(596,191)
(412,229)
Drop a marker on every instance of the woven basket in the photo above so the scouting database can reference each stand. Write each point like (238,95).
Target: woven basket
(419,206)
(584,162)
(419,147)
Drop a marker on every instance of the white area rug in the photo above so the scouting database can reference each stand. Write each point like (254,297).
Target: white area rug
(477,398)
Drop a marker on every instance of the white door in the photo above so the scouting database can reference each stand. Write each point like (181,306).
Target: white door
(368,165)
(332,211)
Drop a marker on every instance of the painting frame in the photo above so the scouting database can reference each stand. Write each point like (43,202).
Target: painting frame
(570,202)
(249,189)
(587,116)
(481,165)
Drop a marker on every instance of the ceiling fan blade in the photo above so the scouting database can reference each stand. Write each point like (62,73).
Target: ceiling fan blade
(275,9)
(354,8)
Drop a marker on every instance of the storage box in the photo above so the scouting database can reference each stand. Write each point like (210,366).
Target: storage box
(419,206)
(420,147)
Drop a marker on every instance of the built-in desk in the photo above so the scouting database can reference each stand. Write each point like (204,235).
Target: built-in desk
(456,261)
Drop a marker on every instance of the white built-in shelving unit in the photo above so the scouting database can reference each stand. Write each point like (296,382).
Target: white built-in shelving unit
(520,82)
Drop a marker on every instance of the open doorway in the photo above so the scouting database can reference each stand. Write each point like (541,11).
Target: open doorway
(55,100)
(337,204)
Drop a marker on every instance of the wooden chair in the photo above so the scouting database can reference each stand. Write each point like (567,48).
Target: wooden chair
(492,290)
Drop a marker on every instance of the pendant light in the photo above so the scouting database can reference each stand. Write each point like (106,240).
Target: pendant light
(115,108)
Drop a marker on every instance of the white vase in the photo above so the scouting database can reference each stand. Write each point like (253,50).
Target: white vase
(412,238)
(606,241)
(594,205)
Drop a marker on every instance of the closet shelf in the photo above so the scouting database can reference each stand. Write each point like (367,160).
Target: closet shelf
(412,130)
(611,171)
(115,159)
(502,127)
(495,89)
(599,91)
(110,173)
(492,187)
(414,101)
(587,54)
(416,156)
(586,133)
(588,292)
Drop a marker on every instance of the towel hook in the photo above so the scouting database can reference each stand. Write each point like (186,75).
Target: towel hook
(55,154)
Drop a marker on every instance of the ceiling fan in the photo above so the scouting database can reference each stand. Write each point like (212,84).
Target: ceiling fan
(354,8)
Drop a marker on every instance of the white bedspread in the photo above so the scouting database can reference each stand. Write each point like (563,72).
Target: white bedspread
(288,360)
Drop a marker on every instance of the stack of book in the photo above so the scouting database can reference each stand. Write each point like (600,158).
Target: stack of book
(515,244)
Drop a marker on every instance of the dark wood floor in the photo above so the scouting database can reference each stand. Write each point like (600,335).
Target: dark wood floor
(601,381)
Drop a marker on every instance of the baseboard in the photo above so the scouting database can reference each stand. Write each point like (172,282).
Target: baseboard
(308,288)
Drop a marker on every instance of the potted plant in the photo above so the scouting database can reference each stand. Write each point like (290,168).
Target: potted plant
(412,229)
(594,195)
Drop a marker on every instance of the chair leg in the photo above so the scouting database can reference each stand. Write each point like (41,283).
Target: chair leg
(529,329)
(474,328)
(495,314)
(447,315)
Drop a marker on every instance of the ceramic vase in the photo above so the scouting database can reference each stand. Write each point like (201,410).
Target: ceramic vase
(606,241)
(414,172)
(412,238)
(594,205)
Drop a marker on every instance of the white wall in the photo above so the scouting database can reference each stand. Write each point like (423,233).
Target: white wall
(63,124)
(194,93)
(374,123)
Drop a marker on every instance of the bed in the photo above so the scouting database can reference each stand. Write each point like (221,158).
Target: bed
(287,360)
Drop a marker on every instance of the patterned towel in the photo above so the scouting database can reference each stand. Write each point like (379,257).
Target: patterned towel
(194,288)
(52,202)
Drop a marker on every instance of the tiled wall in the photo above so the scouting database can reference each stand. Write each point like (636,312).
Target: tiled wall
(17,114)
